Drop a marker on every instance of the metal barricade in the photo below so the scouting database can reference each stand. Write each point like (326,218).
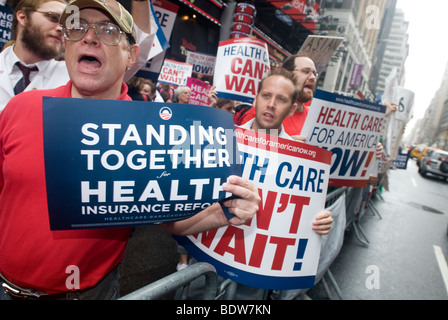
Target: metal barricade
(176,280)
(213,290)
(355,211)
(334,195)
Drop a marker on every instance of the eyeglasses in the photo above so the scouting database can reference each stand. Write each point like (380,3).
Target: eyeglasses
(107,32)
(51,16)
(308,72)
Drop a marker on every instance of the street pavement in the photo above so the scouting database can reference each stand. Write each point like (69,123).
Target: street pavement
(403,260)
(404,246)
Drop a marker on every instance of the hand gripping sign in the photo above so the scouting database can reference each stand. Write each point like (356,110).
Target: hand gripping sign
(350,129)
(122,163)
(277,249)
(241,64)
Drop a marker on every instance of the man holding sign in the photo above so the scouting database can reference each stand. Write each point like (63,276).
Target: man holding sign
(35,262)
(246,255)
(305,71)
(39,45)
(273,104)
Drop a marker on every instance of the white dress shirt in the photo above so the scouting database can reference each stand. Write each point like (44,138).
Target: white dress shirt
(52,73)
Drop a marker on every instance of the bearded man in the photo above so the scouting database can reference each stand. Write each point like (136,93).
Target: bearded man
(305,71)
(33,61)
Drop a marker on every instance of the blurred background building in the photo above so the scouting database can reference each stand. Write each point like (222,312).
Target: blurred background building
(374,34)
(432,130)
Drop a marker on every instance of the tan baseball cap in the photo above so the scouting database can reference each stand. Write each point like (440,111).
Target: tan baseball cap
(115,10)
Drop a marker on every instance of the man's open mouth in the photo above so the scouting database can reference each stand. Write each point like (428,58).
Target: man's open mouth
(90,62)
(268,115)
(309,86)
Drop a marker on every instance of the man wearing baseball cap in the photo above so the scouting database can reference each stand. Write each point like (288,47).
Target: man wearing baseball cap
(32,62)
(112,8)
(35,262)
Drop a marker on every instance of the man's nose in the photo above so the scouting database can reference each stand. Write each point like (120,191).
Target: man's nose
(59,28)
(90,36)
(272,102)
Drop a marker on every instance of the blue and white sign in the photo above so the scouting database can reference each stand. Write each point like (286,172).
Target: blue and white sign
(127,163)
(6,19)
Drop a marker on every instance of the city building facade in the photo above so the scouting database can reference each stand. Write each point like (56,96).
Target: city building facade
(372,42)
(433,128)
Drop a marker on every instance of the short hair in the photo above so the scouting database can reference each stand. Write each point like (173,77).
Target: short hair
(286,74)
(151,84)
(29,6)
(179,90)
(290,62)
(222,101)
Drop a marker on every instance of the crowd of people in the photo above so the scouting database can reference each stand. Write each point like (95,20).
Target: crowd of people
(94,59)
(147,90)
(100,47)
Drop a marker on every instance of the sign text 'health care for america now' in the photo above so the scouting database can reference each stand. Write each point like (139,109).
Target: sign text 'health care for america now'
(351,130)
(277,249)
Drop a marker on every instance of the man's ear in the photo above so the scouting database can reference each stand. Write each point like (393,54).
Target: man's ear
(292,110)
(254,102)
(21,18)
(134,51)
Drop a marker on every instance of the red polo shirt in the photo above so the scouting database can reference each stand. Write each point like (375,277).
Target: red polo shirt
(31,255)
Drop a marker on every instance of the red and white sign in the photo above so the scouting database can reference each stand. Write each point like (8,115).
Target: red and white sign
(277,249)
(241,64)
(202,63)
(175,73)
(350,129)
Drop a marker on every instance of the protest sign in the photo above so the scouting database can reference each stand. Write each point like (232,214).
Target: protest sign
(350,129)
(390,92)
(405,104)
(202,63)
(121,163)
(175,73)
(199,92)
(400,162)
(160,42)
(320,49)
(396,122)
(241,64)
(277,249)
(166,13)
(6,17)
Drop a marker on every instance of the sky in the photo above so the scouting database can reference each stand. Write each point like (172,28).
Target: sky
(428,50)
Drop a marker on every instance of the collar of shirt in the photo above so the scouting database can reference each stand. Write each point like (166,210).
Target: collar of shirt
(11,59)
(282,133)
(67,93)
